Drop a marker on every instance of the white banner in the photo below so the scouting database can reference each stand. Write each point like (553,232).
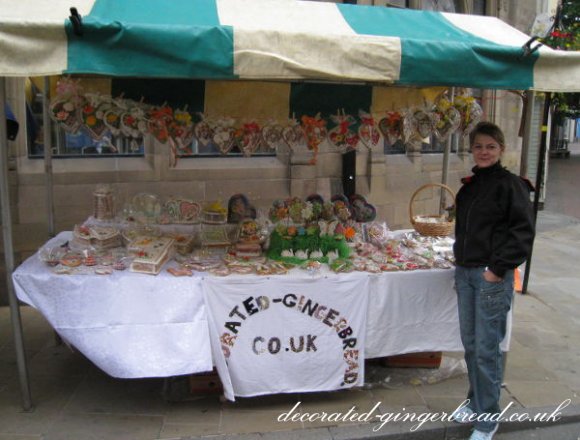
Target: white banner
(296,335)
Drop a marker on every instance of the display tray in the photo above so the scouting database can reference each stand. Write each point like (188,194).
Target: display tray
(99,237)
(184,243)
(213,217)
(216,235)
(248,249)
(151,253)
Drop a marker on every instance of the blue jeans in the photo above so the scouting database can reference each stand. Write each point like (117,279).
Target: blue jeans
(483,309)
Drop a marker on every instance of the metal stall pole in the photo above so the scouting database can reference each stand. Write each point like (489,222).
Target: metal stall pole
(48,157)
(530,103)
(530,99)
(539,178)
(47,141)
(445,171)
(9,255)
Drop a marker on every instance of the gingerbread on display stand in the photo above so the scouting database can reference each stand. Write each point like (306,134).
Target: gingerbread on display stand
(104,203)
(248,244)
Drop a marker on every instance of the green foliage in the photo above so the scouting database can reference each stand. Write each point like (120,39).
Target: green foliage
(566,36)
(567,105)
(325,243)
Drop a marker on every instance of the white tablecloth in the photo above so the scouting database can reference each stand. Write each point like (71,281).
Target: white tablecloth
(134,325)
(130,325)
(412,312)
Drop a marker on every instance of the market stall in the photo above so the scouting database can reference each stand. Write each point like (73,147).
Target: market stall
(132,325)
(143,299)
(268,40)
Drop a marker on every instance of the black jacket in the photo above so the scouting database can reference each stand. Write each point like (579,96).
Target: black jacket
(495,223)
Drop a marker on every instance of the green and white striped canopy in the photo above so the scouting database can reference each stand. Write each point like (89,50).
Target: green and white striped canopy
(275,40)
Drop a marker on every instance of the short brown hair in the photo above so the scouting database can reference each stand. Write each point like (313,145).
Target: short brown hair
(489,129)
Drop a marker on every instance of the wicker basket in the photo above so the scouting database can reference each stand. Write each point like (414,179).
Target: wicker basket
(438,229)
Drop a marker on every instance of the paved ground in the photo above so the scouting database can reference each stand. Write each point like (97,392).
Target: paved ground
(75,401)
(562,188)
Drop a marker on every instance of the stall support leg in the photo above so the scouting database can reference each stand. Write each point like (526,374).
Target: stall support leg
(9,256)
(46,123)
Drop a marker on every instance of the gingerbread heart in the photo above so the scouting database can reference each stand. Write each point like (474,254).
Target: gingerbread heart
(408,125)
(134,123)
(177,210)
(92,116)
(471,118)
(342,209)
(181,128)
(447,122)
(184,141)
(362,210)
(272,135)
(158,130)
(391,127)
(369,135)
(112,120)
(315,136)
(189,211)
(159,121)
(250,144)
(294,137)
(65,112)
(223,138)
(129,124)
(203,133)
(239,208)
(248,138)
(471,112)
(422,123)
(341,136)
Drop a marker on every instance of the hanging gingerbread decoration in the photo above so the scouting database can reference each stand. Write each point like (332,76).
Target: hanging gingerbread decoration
(342,136)
(315,131)
(368,131)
